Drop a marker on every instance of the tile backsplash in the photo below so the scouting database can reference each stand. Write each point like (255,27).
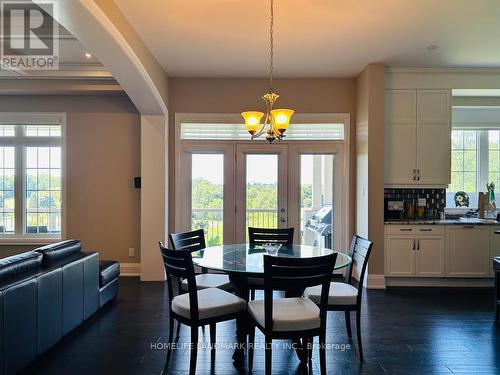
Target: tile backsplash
(435,198)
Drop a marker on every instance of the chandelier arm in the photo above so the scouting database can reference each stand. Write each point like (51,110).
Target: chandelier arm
(263,128)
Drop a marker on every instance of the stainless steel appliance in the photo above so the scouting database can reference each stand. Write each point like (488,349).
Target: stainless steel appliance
(318,228)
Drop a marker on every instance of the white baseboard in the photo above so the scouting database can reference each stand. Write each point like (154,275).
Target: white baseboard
(376,281)
(439,282)
(130,269)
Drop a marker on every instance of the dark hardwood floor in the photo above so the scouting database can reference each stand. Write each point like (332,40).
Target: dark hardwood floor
(405,332)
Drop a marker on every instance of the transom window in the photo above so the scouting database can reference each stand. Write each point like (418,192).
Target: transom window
(30,178)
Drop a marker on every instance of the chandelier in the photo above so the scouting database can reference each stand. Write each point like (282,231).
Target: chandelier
(276,120)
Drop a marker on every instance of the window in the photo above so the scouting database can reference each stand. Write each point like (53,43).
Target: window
(231,128)
(475,161)
(30,178)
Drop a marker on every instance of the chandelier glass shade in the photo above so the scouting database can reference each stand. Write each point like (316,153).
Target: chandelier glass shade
(276,121)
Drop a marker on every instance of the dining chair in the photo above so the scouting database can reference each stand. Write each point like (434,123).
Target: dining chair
(195,241)
(343,296)
(197,307)
(259,236)
(296,318)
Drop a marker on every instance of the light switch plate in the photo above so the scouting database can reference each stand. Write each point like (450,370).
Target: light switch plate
(422,202)
(131,252)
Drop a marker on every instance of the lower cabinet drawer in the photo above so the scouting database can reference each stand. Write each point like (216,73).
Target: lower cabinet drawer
(415,229)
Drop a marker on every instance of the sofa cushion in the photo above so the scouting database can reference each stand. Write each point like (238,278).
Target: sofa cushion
(496,263)
(60,250)
(108,271)
(18,264)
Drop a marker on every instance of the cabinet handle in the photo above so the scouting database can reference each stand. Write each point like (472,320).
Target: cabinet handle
(418,245)
(414,244)
(418,174)
(426,230)
(469,226)
(414,174)
(406,229)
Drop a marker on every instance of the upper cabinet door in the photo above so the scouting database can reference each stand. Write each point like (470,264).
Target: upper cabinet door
(433,137)
(400,137)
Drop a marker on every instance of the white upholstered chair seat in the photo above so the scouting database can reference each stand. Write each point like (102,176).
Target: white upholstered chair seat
(289,314)
(212,302)
(340,294)
(209,280)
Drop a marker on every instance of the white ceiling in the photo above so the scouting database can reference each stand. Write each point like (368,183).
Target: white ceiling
(72,62)
(315,38)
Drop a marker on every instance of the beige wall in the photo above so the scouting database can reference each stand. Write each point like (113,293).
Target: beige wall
(237,95)
(370,161)
(103,155)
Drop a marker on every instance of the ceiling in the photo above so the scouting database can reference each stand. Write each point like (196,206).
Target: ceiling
(73,63)
(315,38)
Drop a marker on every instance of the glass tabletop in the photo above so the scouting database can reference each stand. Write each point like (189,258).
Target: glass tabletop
(249,259)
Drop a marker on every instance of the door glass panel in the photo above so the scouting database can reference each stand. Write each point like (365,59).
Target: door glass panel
(207,196)
(261,191)
(316,200)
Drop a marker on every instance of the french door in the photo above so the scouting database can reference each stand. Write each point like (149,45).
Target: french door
(261,188)
(225,187)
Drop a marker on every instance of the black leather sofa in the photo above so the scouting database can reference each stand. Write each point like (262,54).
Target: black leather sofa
(46,293)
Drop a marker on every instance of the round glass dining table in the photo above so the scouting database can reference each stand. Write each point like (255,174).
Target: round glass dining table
(244,261)
(248,260)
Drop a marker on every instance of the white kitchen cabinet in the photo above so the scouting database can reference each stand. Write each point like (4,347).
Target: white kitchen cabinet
(412,255)
(400,133)
(433,137)
(400,256)
(430,256)
(494,247)
(467,251)
(418,137)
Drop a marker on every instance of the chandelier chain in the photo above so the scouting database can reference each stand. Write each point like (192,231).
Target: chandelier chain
(271,45)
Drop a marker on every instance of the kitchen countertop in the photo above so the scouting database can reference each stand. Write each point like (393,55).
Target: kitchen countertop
(472,221)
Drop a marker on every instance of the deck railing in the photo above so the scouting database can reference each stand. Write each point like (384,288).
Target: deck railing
(211,221)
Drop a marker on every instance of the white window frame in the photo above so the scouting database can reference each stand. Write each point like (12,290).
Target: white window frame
(482,165)
(33,118)
(343,191)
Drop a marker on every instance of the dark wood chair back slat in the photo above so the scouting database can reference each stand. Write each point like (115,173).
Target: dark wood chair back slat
(259,236)
(192,241)
(294,275)
(179,264)
(360,253)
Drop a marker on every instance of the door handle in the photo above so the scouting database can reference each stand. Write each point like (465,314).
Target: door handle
(283,219)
